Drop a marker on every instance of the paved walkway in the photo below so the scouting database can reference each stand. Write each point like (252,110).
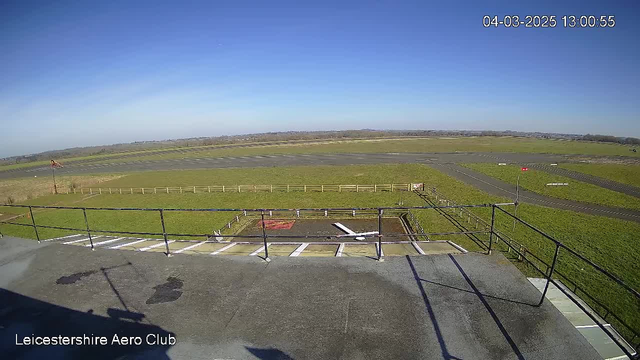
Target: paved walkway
(466,306)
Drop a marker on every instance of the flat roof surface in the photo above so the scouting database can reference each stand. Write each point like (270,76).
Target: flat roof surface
(465,306)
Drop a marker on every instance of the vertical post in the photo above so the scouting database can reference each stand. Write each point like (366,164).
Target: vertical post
(86,223)
(493,218)
(33,221)
(380,235)
(164,233)
(53,173)
(264,238)
(553,266)
(209,188)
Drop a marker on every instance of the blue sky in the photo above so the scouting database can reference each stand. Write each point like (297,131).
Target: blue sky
(79,73)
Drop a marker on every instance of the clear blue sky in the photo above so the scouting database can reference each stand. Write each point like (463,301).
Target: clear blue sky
(77,73)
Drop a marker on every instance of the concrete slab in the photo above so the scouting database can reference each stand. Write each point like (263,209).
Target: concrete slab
(240,249)
(358,250)
(319,251)
(205,249)
(466,306)
(279,250)
(431,248)
(398,249)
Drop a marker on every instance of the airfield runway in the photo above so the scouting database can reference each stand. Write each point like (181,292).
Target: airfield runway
(240,307)
(445,162)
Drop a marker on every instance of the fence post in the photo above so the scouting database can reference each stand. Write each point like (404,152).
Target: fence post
(33,221)
(142,191)
(155,190)
(164,233)
(194,189)
(553,266)
(86,223)
(264,238)
(131,190)
(109,190)
(321,188)
(209,188)
(305,188)
(167,189)
(180,189)
(271,188)
(90,191)
(493,218)
(100,189)
(222,188)
(380,235)
(120,191)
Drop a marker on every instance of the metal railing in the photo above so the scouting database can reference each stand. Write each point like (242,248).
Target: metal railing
(194,189)
(378,212)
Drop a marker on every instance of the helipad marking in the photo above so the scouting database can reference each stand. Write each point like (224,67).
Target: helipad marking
(223,249)
(105,242)
(340,248)
(156,245)
(77,241)
(127,244)
(299,250)
(64,237)
(189,247)
(418,248)
(261,249)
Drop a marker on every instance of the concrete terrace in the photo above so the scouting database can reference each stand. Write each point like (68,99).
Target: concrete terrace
(463,306)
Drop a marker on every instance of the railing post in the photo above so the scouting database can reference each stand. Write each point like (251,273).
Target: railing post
(86,223)
(380,235)
(493,218)
(264,238)
(164,233)
(553,266)
(33,221)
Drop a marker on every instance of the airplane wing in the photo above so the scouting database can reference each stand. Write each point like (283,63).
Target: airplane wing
(344,228)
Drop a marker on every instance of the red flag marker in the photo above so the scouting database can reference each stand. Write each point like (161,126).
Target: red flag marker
(525,169)
(55,164)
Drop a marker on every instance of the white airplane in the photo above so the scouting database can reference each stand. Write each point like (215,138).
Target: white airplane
(358,236)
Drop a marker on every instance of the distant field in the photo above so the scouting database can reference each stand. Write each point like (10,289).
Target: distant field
(432,144)
(611,243)
(309,175)
(622,173)
(536,180)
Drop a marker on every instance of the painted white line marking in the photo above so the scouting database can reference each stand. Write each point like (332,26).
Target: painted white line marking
(189,247)
(127,244)
(340,250)
(418,248)
(156,245)
(77,241)
(299,250)
(104,242)
(259,250)
(618,357)
(590,326)
(223,249)
(457,246)
(64,237)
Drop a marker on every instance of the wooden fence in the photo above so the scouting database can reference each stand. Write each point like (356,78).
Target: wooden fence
(250,188)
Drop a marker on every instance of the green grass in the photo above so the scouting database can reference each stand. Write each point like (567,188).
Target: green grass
(479,144)
(622,173)
(433,144)
(297,175)
(536,180)
(611,243)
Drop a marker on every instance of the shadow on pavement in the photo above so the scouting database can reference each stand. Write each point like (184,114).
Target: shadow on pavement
(25,317)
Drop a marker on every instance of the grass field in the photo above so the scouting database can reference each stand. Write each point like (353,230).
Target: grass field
(609,242)
(622,173)
(434,144)
(536,180)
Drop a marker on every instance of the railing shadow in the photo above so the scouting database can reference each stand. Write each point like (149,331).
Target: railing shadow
(27,319)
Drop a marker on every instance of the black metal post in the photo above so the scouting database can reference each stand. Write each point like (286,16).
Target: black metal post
(553,265)
(264,238)
(493,219)
(164,233)
(86,222)
(33,221)
(380,235)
